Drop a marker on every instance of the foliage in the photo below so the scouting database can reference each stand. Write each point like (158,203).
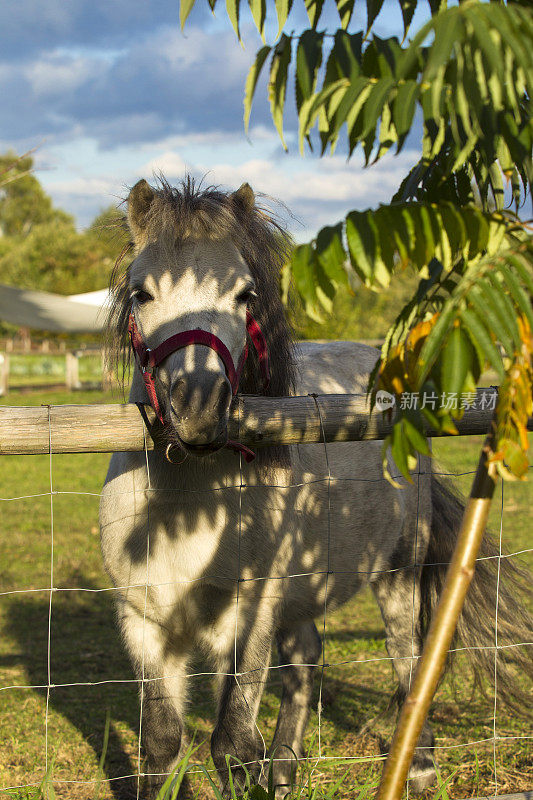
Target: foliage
(467,74)
(40,247)
(357,314)
(307,787)
(23,202)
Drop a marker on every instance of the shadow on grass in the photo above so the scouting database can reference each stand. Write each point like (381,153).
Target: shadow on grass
(89,675)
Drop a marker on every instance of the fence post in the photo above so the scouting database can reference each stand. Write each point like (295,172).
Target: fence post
(4,373)
(72,371)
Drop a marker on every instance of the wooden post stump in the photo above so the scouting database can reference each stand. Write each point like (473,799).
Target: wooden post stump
(72,371)
(4,373)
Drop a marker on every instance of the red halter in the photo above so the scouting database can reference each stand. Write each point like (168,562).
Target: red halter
(147,360)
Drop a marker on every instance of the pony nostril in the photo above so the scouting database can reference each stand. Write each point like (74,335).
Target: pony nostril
(178,396)
(200,401)
(223,394)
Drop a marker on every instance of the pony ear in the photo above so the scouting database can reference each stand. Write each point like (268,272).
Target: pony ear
(139,201)
(245,197)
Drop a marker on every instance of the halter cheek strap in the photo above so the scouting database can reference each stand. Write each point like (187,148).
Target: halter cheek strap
(148,360)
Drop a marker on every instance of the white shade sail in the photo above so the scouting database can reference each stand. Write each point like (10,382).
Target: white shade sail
(50,312)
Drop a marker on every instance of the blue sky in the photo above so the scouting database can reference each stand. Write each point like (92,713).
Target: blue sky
(109,91)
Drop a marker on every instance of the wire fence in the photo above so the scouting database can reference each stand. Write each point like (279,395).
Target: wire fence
(323,737)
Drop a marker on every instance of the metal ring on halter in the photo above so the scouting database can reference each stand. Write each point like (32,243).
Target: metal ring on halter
(181,449)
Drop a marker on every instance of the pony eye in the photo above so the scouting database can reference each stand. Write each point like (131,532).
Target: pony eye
(246,295)
(141,297)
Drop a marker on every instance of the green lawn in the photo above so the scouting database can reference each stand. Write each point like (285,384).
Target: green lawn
(85,648)
(50,368)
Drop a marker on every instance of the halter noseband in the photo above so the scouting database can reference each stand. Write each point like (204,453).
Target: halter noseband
(147,360)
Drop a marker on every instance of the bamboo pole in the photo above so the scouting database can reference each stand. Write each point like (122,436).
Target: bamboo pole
(432,661)
(254,421)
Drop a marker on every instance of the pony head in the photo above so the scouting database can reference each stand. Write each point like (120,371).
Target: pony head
(204,260)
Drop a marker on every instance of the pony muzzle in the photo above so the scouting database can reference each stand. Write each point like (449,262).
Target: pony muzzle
(199,410)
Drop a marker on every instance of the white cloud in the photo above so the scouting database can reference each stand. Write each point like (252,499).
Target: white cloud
(170,164)
(54,74)
(86,187)
(317,191)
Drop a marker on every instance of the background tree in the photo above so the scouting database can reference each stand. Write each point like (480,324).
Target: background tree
(23,202)
(468,74)
(40,247)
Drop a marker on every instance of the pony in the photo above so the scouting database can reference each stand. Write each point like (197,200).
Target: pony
(216,555)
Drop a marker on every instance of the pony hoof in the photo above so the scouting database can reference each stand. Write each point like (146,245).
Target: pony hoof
(421,778)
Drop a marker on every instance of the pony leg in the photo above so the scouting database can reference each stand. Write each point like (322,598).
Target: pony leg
(399,600)
(162,691)
(235,733)
(299,651)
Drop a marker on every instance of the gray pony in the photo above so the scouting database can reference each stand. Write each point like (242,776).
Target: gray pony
(219,557)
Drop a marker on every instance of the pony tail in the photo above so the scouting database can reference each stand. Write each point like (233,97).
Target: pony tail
(496,601)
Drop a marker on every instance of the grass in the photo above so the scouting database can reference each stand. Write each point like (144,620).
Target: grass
(86,653)
(49,368)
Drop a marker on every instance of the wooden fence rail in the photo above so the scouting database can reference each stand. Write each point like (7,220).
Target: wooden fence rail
(255,421)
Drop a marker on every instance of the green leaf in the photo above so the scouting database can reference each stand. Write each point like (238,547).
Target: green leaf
(523,268)
(435,5)
(457,361)
(351,106)
(258,9)
(416,437)
(387,132)
(331,254)
(432,346)
(314,10)
(374,104)
(403,109)
(449,31)
(373,7)
(478,231)
(348,53)
(507,310)
(251,82)
(303,263)
(400,450)
(233,9)
(283,9)
(408,9)
(481,337)
(361,244)
(522,301)
(258,793)
(345,11)
(487,307)
(308,61)
(485,40)
(185,10)
(315,105)
(325,288)
(496,183)
(455,228)
(278,82)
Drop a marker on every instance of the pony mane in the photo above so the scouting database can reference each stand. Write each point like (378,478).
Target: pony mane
(189,210)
